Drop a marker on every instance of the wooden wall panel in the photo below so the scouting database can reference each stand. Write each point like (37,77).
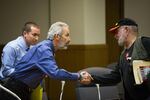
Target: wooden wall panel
(114,12)
(75,58)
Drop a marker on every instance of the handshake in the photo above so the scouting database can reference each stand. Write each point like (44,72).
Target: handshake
(85,77)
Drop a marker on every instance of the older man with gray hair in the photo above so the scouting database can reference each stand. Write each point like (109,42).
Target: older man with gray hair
(40,62)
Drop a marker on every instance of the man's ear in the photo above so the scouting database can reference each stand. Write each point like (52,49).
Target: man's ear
(128,30)
(56,39)
(24,33)
(56,36)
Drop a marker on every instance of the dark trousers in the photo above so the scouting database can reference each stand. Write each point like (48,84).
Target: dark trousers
(16,86)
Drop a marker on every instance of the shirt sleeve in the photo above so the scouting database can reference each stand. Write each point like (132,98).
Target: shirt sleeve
(48,65)
(112,77)
(8,59)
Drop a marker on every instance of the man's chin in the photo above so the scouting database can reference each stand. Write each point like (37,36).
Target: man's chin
(34,43)
(63,47)
(120,44)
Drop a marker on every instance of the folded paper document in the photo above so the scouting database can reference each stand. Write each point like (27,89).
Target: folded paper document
(141,69)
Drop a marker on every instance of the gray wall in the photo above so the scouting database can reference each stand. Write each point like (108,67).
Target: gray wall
(14,13)
(85,17)
(139,10)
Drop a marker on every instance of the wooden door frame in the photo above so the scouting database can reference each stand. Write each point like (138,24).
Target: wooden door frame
(114,12)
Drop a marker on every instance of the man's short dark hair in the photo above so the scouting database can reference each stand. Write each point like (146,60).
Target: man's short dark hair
(27,26)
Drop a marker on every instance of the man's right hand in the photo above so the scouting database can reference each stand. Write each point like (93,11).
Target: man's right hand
(86,78)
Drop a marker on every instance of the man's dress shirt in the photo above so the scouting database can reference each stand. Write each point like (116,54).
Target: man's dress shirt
(12,53)
(39,62)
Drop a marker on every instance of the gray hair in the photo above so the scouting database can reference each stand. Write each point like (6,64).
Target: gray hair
(133,28)
(56,28)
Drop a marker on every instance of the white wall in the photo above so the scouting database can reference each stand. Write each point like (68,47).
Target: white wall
(71,12)
(85,17)
(94,21)
(139,11)
(14,13)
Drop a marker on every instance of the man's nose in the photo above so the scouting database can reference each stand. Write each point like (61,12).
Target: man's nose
(69,39)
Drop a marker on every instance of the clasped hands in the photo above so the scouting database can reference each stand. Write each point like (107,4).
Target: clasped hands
(86,78)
